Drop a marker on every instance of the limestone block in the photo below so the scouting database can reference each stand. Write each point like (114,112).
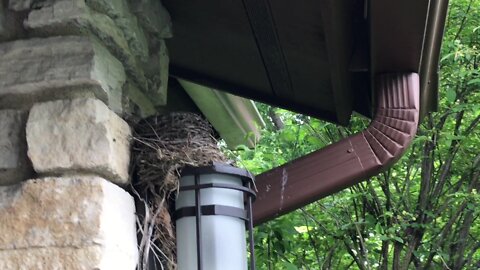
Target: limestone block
(52,258)
(2,19)
(158,72)
(120,13)
(79,135)
(20,5)
(10,24)
(153,17)
(14,164)
(135,36)
(64,17)
(75,222)
(73,17)
(113,8)
(144,103)
(42,69)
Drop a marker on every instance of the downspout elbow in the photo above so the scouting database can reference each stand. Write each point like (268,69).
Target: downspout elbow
(349,161)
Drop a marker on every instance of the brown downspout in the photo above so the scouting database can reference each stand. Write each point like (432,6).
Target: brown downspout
(348,161)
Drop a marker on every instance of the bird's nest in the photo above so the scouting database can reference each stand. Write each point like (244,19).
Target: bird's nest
(163,145)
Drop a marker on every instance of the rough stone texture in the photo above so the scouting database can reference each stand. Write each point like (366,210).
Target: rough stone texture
(80,135)
(10,24)
(158,72)
(58,67)
(143,103)
(52,258)
(119,12)
(112,23)
(20,5)
(153,17)
(63,17)
(2,18)
(14,164)
(3,27)
(75,222)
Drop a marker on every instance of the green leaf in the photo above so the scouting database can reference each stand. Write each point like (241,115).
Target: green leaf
(290,266)
(421,138)
(398,239)
(451,95)
(242,147)
(474,81)
(383,238)
(447,56)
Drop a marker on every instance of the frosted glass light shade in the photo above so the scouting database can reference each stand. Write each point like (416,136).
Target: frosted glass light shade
(223,242)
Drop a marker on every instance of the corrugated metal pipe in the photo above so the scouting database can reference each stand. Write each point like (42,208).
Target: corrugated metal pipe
(349,161)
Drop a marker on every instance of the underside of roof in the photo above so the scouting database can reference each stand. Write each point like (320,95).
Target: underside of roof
(313,57)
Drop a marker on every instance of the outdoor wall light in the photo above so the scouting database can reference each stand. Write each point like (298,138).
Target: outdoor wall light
(212,210)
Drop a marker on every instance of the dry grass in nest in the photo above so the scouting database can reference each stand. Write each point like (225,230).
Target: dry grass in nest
(163,145)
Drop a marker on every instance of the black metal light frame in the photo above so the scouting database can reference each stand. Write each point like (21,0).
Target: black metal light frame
(248,181)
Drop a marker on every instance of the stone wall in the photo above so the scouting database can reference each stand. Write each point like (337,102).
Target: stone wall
(71,71)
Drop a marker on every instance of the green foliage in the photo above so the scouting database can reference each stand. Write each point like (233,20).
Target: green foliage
(423,213)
